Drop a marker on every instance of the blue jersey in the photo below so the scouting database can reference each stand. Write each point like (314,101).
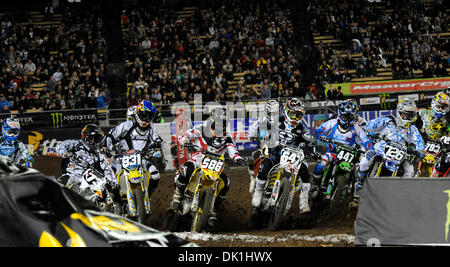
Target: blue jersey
(15,152)
(386,126)
(354,135)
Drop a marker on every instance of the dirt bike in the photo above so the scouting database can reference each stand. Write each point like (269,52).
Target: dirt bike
(97,190)
(433,150)
(134,180)
(283,182)
(443,160)
(338,179)
(337,183)
(389,165)
(200,194)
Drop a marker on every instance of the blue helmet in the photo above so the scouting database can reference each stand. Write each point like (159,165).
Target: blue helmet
(347,113)
(11,129)
(145,112)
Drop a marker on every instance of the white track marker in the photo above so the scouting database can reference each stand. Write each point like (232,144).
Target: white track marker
(333,238)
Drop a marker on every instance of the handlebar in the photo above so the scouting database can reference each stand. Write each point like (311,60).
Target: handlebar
(332,141)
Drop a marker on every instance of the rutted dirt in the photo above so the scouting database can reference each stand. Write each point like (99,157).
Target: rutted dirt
(235,218)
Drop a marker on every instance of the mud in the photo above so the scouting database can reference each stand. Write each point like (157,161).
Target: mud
(235,218)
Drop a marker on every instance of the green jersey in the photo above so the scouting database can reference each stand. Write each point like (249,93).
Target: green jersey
(433,128)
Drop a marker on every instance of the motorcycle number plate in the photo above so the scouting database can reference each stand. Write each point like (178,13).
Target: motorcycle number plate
(345,156)
(394,153)
(131,160)
(433,148)
(291,157)
(213,164)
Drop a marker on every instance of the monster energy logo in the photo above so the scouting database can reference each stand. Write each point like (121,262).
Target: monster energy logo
(57,119)
(447,223)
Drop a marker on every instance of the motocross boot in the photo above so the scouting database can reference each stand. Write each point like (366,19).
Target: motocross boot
(252,181)
(358,185)
(314,190)
(218,206)
(304,198)
(177,195)
(258,193)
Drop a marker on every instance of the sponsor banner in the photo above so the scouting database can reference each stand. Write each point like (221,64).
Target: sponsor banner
(44,142)
(414,97)
(322,104)
(55,120)
(350,89)
(402,211)
(399,86)
(370,101)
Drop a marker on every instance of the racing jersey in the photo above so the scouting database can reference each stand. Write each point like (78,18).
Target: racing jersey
(215,145)
(387,127)
(432,128)
(354,135)
(286,134)
(15,152)
(129,136)
(84,159)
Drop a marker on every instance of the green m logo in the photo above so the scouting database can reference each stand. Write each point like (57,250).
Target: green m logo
(447,223)
(57,119)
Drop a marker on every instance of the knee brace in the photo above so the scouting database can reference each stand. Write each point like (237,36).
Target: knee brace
(185,172)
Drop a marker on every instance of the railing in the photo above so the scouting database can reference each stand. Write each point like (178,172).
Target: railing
(110,117)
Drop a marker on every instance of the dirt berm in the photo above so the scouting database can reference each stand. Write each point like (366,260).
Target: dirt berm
(235,218)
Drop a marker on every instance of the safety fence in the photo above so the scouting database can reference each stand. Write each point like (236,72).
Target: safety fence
(59,119)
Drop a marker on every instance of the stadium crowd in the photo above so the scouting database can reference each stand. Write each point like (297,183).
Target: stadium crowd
(405,34)
(171,58)
(66,61)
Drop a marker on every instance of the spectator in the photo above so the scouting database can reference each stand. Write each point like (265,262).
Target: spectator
(102,100)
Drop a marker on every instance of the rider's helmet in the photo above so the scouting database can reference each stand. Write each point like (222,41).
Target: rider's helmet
(92,136)
(131,113)
(145,112)
(347,113)
(406,113)
(272,107)
(11,129)
(293,111)
(218,121)
(440,105)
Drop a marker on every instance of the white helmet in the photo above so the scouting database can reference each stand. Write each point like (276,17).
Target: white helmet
(406,113)
(440,105)
(131,112)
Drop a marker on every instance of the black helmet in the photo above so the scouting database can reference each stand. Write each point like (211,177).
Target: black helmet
(219,121)
(92,136)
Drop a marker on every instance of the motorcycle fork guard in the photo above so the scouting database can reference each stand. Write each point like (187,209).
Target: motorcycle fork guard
(131,200)
(292,190)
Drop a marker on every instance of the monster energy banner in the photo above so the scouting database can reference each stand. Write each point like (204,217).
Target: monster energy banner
(55,120)
(404,212)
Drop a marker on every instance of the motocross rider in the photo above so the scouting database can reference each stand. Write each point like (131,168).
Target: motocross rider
(138,134)
(345,129)
(12,149)
(132,113)
(290,132)
(399,129)
(272,109)
(210,136)
(84,154)
(433,123)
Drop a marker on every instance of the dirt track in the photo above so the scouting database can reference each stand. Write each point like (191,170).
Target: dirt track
(235,218)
